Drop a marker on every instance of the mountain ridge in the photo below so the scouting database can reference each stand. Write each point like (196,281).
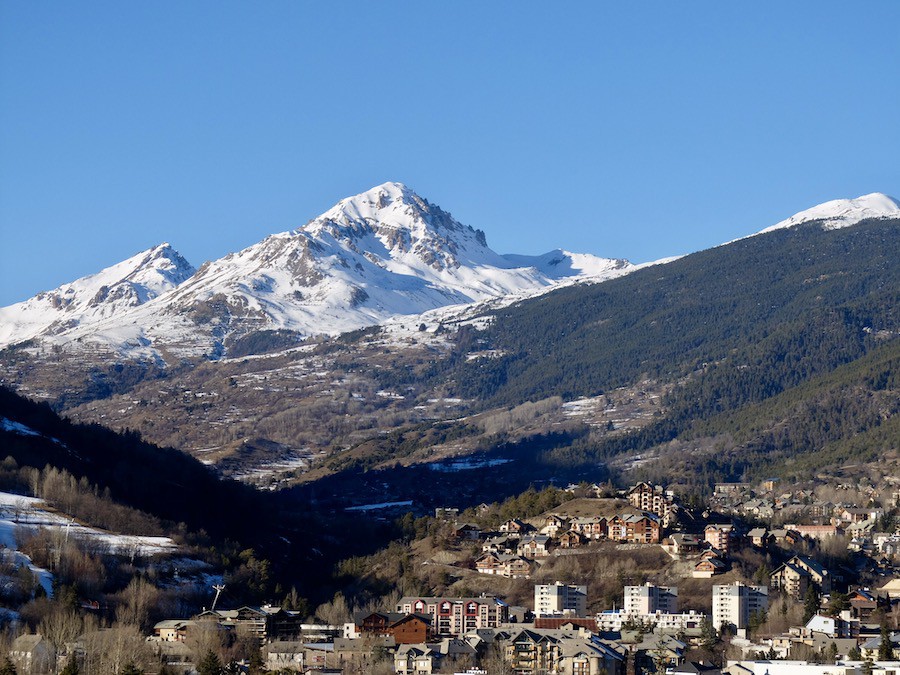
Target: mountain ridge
(379,254)
(129,283)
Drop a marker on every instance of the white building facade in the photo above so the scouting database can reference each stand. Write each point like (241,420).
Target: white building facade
(734,604)
(560,599)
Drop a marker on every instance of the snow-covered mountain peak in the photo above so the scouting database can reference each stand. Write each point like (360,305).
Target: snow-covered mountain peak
(839,213)
(113,290)
(379,254)
(408,228)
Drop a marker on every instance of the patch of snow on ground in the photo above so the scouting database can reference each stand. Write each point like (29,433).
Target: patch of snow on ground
(25,514)
(467,465)
(374,507)
(17,428)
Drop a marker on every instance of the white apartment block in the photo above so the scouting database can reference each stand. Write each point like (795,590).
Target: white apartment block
(650,599)
(732,605)
(558,598)
(661,622)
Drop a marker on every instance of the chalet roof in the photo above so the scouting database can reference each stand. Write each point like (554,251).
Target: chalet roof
(412,617)
(684,538)
(284,647)
(588,520)
(863,593)
(537,538)
(351,645)
(430,600)
(453,646)
(389,617)
(799,571)
(577,647)
(757,532)
(414,650)
(26,643)
(812,565)
(715,562)
(172,624)
(698,668)
(609,649)
(892,587)
(875,642)
(530,635)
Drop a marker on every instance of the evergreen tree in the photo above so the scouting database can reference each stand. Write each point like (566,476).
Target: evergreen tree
(810,603)
(71,667)
(131,669)
(708,637)
(8,668)
(210,664)
(885,649)
(867,666)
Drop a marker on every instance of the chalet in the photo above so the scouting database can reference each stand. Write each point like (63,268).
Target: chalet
(404,628)
(592,528)
(653,499)
(446,513)
(817,531)
(31,654)
(730,488)
(369,624)
(681,544)
(572,539)
(869,648)
(856,515)
(719,537)
(517,567)
(530,651)
(516,526)
(489,563)
(760,537)
(635,529)
(284,655)
(467,531)
(172,630)
(534,546)
(796,575)
(590,656)
(264,623)
(644,529)
(891,589)
(864,603)
(553,524)
(791,580)
(833,627)
(708,567)
(415,660)
(512,566)
(500,544)
(421,659)
(412,629)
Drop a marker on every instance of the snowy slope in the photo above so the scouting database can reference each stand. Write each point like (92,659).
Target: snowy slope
(840,213)
(107,293)
(382,253)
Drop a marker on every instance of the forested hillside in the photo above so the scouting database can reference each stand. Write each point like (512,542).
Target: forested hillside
(773,310)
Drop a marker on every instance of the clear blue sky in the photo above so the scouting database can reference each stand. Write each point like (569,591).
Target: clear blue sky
(635,130)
